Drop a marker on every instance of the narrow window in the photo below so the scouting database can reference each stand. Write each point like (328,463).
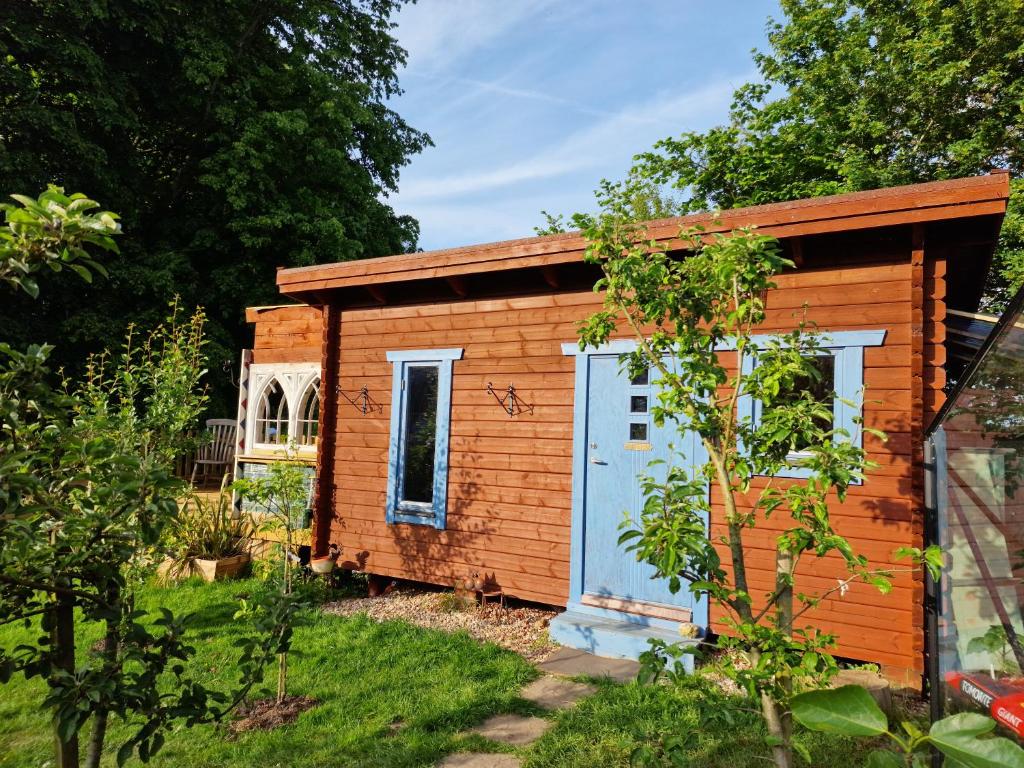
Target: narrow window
(418,447)
(419,442)
(307,428)
(272,415)
(637,431)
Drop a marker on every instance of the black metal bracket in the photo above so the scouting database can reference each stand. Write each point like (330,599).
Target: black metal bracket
(510,402)
(362,400)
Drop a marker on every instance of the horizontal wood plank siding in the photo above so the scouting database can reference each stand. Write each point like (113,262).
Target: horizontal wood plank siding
(509,490)
(291,334)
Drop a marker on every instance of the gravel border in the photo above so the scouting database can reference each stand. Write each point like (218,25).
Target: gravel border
(521,629)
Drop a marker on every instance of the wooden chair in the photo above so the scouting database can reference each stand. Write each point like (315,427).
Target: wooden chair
(217,456)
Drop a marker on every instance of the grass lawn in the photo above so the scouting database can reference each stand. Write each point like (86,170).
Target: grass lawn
(370,677)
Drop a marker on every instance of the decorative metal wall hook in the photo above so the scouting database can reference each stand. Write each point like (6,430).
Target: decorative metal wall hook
(510,402)
(362,400)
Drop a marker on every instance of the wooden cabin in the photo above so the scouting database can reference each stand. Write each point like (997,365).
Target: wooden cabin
(459,429)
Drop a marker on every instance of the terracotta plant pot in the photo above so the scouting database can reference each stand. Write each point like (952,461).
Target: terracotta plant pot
(224,568)
(322,565)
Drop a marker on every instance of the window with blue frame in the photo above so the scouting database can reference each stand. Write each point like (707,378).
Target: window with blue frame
(840,382)
(418,447)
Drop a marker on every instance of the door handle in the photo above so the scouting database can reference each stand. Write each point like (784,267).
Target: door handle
(595,460)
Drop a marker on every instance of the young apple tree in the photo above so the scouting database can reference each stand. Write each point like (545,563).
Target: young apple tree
(86,490)
(695,316)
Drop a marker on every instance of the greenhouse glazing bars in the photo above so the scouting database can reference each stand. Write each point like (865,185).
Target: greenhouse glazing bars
(975,497)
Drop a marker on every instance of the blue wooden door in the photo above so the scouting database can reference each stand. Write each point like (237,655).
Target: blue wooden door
(621,442)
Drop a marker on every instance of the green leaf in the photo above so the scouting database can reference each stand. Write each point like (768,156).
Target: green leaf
(803,751)
(883,758)
(956,737)
(124,754)
(848,710)
(82,272)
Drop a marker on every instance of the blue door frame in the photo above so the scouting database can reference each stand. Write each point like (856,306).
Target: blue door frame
(578,581)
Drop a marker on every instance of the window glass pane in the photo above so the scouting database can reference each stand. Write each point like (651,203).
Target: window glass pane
(420,434)
(272,417)
(642,380)
(309,415)
(637,431)
(638,404)
(822,387)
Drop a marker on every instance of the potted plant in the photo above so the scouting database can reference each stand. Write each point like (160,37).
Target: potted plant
(322,565)
(207,538)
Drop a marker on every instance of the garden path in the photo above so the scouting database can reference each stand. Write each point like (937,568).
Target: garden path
(552,691)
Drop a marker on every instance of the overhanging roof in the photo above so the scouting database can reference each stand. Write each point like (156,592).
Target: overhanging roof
(917,203)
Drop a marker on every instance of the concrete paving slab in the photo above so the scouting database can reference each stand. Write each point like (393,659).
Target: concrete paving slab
(479,760)
(570,662)
(513,729)
(555,692)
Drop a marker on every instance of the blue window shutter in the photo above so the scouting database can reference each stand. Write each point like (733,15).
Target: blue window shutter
(442,359)
(397,413)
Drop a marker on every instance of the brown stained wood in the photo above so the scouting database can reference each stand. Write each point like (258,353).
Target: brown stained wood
(922,308)
(537,589)
(324,498)
(509,501)
(839,295)
(367,520)
(281,313)
(402,541)
(308,354)
(458,542)
(983,195)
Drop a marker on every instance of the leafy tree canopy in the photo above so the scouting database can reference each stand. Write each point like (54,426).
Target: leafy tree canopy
(859,94)
(233,137)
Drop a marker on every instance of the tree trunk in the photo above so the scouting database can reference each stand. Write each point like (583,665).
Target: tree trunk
(775,718)
(63,636)
(282,658)
(100,715)
(784,621)
(282,676)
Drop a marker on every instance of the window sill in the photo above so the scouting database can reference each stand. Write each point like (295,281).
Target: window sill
(797,472)
(413,518)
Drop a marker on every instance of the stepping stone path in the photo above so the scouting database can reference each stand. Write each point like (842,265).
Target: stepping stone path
(572,662)
(513,729)
(548,692)
(480,760)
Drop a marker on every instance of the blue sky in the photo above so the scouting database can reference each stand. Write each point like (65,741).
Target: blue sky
(531,102)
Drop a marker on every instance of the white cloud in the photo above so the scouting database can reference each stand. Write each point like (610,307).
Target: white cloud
(604,145)
(436,33)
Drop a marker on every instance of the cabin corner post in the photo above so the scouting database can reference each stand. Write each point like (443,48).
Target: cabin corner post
(917,408)
(323,502)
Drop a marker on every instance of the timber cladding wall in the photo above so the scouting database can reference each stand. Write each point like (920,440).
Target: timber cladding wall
(509,479)
(286,334)
(509,483)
